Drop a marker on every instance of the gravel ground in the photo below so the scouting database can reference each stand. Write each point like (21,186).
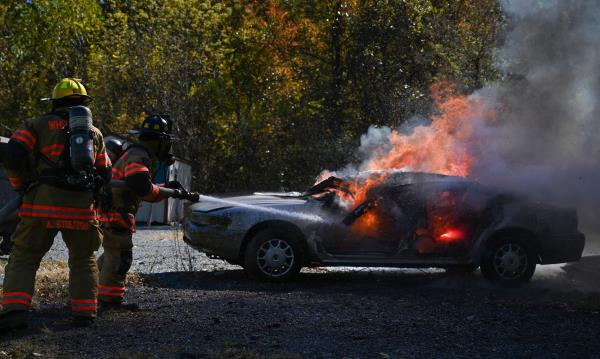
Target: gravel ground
(337,313)
(156,250)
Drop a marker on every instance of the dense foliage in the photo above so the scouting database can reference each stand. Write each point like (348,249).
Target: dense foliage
(265,94)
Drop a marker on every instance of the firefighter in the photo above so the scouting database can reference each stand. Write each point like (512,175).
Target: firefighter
(57,167)
(136,166)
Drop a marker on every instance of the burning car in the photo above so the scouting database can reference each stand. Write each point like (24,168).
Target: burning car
(404,219)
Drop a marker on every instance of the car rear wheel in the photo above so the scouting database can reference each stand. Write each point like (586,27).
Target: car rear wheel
(273,255)
(509,261)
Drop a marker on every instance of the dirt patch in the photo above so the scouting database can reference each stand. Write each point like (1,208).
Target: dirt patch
(325,315)
(217,312)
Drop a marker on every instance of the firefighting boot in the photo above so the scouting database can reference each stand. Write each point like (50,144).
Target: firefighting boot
(16,319)
(105,306)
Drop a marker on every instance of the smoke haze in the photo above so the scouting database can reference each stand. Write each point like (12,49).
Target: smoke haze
(536,131)
(547,142)
(546,136)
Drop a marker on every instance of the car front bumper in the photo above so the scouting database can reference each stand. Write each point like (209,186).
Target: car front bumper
(214,239)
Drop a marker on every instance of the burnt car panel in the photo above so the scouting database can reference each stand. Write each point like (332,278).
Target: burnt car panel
(408,220)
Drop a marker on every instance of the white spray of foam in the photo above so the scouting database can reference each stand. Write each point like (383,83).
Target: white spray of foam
(278,212)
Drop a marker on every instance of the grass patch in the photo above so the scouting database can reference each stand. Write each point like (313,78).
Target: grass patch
(20,351)
(52,281)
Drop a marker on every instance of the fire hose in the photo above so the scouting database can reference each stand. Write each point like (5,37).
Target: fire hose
(178,193)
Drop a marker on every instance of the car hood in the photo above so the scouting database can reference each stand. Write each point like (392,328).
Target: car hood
(255,200)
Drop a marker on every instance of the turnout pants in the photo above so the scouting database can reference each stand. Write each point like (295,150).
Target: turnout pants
(32,239)
(115,263)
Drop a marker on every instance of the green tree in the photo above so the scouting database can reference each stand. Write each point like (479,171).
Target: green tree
(264,94)
(42,41)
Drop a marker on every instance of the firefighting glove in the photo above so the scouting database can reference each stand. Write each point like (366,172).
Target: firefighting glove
(174,185)
(168,160)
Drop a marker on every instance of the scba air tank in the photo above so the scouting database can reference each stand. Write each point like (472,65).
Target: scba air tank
(81,141)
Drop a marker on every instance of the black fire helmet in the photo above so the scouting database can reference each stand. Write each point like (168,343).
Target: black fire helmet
(114,146)
(154,127)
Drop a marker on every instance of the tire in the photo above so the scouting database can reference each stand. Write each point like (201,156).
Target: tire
(274,255)
(509,261)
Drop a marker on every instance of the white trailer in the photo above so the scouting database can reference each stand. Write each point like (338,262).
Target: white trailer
(170,210)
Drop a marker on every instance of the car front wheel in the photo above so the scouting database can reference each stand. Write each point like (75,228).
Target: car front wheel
(273,255)
(509,261)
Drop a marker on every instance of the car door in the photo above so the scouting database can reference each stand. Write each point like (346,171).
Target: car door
(381,224)
(446,227)
(409,214)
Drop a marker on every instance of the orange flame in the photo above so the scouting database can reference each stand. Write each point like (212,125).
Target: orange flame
(443,220)
(446,146)
(367,224)
(451,235)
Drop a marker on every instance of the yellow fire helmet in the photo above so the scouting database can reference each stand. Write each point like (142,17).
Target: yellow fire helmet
(70,88)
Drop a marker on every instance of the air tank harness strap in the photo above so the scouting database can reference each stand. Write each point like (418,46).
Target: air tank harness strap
(58,177)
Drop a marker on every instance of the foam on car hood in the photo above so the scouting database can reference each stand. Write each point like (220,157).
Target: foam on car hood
(255,200)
